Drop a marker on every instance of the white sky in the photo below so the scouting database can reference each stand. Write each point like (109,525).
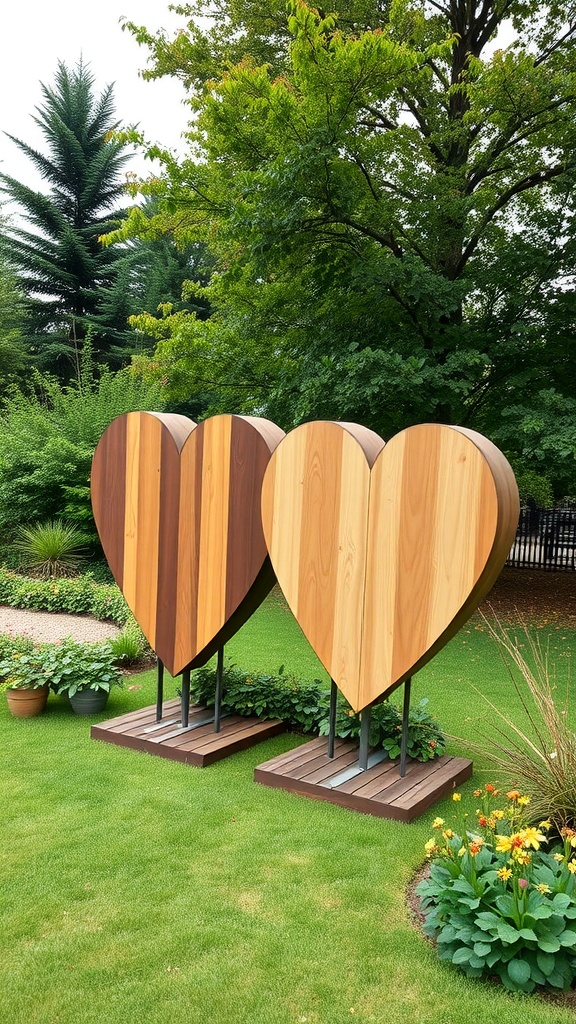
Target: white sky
(38,33)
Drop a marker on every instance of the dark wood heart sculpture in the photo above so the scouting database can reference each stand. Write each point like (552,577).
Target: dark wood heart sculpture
(177,507)
(383,552)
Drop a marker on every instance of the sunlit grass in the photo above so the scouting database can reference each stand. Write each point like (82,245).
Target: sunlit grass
(136,889)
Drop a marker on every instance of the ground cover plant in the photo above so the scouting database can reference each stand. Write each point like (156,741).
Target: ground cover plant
(137,888)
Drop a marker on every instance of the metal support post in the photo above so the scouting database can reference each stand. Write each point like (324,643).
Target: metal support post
(364,739)
(405,715)
(185,700)
(159,690)
(218,693)
(332,718)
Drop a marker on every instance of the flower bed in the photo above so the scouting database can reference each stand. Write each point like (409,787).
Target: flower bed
(500,899)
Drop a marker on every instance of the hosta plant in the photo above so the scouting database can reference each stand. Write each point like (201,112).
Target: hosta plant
(499,901)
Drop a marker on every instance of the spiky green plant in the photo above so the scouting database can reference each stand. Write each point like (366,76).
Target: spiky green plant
(539,754)
(51,549)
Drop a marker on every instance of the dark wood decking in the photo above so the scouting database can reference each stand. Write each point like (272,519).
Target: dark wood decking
(309,771)
(198,745)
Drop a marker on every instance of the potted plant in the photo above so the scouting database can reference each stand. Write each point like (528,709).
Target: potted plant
(83,672)
(24,682)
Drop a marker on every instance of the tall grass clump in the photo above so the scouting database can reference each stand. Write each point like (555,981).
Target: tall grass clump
(51,549)
(538,754)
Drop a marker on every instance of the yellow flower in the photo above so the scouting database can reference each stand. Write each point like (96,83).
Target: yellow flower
(504,874)
(543,888)
(523,801)
(478,792)
(430,846)
(521,856)
(571,865)
(531,837)
(438,822)
(558,856)
(448,833)
(461,851)
(572,840)
(503,844)
(545,824)
(498,814)
(456,797)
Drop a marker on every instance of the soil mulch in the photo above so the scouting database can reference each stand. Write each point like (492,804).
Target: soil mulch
(542,598)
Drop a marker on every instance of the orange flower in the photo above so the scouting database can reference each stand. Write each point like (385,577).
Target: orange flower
(513,794)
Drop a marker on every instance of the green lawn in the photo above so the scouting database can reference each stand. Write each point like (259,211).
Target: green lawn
(136,889)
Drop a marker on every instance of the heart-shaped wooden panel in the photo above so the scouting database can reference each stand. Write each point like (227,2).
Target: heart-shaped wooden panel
(177,507)
(383,552)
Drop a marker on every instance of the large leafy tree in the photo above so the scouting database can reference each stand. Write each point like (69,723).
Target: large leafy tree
(61,265)
(388,191)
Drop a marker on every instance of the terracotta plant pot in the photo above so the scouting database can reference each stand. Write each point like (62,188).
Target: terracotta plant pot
(89,702)
(25,703)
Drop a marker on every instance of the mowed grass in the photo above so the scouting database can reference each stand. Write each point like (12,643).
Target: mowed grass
(135,889)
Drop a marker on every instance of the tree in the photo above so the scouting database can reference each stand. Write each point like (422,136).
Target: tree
(390,202)
(61,265)
(13,357)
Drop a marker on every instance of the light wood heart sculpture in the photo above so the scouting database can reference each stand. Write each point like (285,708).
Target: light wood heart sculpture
(383,552)
(177,507)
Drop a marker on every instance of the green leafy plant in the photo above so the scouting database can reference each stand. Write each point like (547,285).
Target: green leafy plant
(497,902)
(541,753)
(10,645)
(52,549)
(23,670)
(66,667)
(71,666)
(304,707)
(79,596)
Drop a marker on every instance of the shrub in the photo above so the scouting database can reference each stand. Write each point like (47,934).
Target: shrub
(48,438)
(497,903)
(10,645)
(51,549)
(304,707)
(78,596)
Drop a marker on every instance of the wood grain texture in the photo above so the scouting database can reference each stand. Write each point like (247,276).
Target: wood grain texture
(383,552)
(177,507)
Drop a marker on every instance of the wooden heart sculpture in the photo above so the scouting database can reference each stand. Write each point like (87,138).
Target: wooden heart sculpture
(383,552)
(177,507)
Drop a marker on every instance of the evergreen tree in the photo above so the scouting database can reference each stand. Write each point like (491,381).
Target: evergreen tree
(62,267)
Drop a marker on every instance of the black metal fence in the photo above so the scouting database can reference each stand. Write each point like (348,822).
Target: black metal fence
(545,539)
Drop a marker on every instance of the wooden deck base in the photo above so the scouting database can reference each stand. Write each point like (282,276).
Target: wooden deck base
(380,791)
(198,745)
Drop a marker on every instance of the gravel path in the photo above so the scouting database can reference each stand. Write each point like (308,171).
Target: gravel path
(48,627)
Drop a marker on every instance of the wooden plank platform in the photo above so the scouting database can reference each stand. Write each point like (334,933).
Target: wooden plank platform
(199,745)
(380,791)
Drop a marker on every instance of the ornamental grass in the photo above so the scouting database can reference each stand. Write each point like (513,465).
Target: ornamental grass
(538,753)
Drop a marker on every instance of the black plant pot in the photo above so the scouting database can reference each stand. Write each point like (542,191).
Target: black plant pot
(89,702)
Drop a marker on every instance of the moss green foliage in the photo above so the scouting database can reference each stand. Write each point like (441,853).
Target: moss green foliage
(79,596)
(48,437)
(304,707)
(500,900)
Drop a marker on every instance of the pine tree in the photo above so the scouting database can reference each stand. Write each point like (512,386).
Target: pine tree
(62,267)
